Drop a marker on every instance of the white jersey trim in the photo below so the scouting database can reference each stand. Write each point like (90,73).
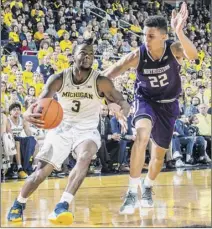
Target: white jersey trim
(78,85)
(63,84)
(95,85)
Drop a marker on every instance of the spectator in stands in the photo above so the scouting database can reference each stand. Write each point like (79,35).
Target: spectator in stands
(5,159)
(39,35)
(14,34)
(51,31)
(28,74)
(126,138)
(45,69)
(113,29)
(4,96)
(4,31)
(13,97)
(188,96)
(193,108)
(31,44)
(199,140)
(136,28)
(20,93)
(30,93)
(66,43)
(109,151)
(44,50)
(37,83)
(23,47)
(181,138)
(204,125)
(202,95)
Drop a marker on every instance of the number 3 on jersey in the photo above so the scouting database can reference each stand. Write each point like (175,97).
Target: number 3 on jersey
(76,106)
(159,81)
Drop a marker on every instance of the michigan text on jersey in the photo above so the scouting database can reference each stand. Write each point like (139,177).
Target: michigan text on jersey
(77,95)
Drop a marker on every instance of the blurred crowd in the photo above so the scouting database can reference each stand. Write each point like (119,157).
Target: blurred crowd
(37,40)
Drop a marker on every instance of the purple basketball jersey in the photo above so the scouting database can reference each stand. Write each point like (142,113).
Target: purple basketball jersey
(159,79)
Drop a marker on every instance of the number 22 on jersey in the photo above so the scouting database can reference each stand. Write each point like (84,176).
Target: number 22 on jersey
(160,81)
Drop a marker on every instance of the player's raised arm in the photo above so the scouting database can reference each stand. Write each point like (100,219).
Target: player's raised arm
(177,22)
(130,60)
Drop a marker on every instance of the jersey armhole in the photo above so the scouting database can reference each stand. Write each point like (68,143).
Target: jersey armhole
(138,58)
(174,55)
(95,85)
(140,62)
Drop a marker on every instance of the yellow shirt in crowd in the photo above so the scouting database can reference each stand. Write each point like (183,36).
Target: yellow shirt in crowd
(65,44)
(27,77)
(14,36)
(38,88)
(204,124)
(113,31)
(38,36)
(20,4)
(60,32)
(8,19)
(40,14)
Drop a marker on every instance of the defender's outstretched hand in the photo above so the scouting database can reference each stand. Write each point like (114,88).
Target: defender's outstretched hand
(179,19)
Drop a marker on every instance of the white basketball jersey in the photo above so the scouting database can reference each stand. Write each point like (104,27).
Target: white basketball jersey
(81,103)
(37,132)
(17,129)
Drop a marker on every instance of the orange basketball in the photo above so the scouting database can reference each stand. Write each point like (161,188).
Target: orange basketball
(51,110)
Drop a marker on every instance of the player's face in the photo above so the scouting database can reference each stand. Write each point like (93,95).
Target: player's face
(84,56)
(154,38)
(15,112)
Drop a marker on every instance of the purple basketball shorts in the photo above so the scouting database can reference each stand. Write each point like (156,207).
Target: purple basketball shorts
(162,115)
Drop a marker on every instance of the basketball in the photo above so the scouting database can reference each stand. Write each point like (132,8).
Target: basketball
(51,110)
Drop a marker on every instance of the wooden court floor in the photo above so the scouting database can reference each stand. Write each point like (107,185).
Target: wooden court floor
(182,198)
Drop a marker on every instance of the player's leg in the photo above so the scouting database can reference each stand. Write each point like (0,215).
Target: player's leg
(21,173)
(155,166)
(162,132)
(137,159)
(33,181)
(85,152)
(53,144)
(143,121)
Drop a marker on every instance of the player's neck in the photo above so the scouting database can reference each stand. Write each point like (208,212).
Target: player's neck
(15,119)
(80,75)
(158,53)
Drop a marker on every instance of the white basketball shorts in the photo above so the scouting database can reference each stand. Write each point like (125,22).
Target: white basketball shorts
(62,141)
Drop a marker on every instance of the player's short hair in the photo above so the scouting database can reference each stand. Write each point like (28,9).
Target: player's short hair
(14,105)
(158,22)
(84,42)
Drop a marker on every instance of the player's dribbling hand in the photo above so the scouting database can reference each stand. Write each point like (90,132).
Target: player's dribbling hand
(179,19)
(32,117)
(122,120)
(114,107)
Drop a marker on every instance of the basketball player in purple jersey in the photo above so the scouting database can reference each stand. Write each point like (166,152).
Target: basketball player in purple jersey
(157,88)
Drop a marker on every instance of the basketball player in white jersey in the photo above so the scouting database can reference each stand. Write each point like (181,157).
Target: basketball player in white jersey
(17,126)
(80,90)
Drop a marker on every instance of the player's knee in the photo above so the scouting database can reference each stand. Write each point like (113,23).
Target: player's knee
(85,157)
(158,158)
(142,136)
(37,178)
